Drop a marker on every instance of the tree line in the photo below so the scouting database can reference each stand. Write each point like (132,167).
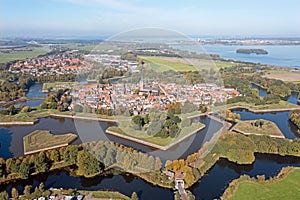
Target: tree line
(235,147)
(295,117)
(89,160)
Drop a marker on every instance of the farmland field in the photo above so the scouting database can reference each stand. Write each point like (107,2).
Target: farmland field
(283,75)
(161,64)
(287,188)
(6,57)
(58,85)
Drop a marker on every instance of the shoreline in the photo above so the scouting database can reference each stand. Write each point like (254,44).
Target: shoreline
(45,149)
(265,110)
(247,134)
(19,123)
(164,148)
(83,118)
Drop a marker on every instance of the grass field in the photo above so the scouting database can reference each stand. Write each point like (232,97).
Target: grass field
(283,75)
(109,195)
(6,57)
(268,128)
(59,85)
(42,139)
(161,64)
(21,117)
(287,189)
(142,135)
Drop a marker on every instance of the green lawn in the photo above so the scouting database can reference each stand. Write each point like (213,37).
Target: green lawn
(287,189)
(160,64)
(25,117)
(6,57)
(40,139)
(142,135)
(20,117)
(59,85)
(268,127)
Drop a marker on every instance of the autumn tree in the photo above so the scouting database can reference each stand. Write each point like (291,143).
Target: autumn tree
(134,196)
(14,193)
(4,195)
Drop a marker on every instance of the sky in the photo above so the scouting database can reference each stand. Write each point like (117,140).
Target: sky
(279,18)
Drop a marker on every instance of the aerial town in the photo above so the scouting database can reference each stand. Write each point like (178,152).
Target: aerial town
(140,97)
(53,64)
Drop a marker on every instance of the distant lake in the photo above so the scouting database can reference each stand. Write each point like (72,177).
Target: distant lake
(279,55)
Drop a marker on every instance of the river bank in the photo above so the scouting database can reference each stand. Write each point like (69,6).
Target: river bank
(18,123)
(274,188)
(143,142)
(207,166)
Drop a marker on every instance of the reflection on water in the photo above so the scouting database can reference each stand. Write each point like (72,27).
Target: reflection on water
(93,131)
(209,187)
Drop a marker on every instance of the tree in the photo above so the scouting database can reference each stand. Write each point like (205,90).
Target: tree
(110,157)
(129,162)
(2,167)
(255,92)
(169,165)
(78,108)
(174,131)
(171,111)
(27,191)
(24,170)
(154,127)
(37,192)
(41,187)
(40,163)
(164,133)
(87,164)
(12,110)
(4,195)
(26,109)
(134,196)
(14,193)
(70,154)
(138,120)
(157,164)
(44,105)
(54,155)
(261,123)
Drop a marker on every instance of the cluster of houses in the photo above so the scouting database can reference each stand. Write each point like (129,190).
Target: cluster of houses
(53,64)
(114,61)
(139,98)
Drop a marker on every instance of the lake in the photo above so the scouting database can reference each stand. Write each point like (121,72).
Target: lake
(279,55)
